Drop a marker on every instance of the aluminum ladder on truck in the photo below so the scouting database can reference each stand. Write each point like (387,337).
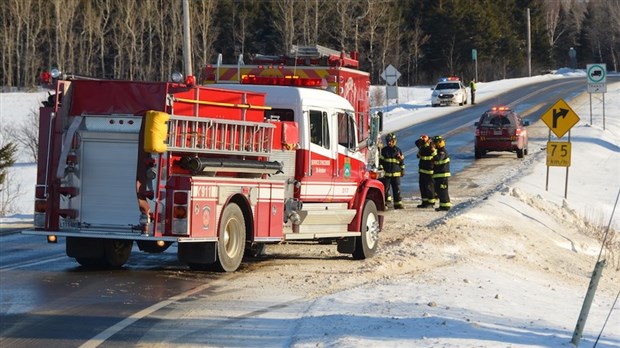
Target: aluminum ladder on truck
(217,136)
(212,142)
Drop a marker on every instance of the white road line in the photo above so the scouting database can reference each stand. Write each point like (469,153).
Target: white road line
(24,265)
(109,332)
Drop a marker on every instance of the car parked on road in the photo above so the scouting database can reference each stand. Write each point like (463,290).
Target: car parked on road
(501,129)
(448,91)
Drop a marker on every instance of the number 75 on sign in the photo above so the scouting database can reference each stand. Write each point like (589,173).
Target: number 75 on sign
(558,153)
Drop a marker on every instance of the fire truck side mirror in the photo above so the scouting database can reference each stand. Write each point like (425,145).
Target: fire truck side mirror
(156,131)
(376,127)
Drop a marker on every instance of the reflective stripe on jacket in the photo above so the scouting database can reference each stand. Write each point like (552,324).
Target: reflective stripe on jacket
(442,164)
(392,161)
(426,155)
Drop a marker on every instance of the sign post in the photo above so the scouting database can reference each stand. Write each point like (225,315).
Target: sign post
(560,118)
(597,77)
(391,76)
(474,57)
(572,54)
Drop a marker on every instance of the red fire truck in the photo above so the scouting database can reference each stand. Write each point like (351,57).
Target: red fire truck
(306,66)
(217,172)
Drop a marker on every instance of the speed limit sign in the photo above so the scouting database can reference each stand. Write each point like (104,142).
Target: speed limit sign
(558,154)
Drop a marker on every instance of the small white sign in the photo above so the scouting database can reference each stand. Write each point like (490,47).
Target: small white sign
(597,88)
(392,92)
(390,75)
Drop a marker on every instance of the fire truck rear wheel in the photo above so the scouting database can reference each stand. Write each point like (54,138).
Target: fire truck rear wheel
(91,262)
(366,244)
(117,251)
(231,244)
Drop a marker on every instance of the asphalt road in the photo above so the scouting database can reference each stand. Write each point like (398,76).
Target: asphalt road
(458,127)
(47,299)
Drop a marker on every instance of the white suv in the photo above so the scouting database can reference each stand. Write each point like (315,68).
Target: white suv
(448,91)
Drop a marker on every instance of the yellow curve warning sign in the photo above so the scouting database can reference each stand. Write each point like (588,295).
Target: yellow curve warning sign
(560,118)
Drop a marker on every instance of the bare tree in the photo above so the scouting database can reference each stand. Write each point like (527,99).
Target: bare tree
(33,26)
(203,17)
(452,57)
(347,11)
(416,39)
(553,30)
(284,12)
(377,34)
(16,10)
(603,32)
(99,26)
(173,38)
(65,15)
(7,41)
(26,134)
(9,191)
(614,37)
(126,32)
(160,33)
(240,19)
(311,21)
(9,194)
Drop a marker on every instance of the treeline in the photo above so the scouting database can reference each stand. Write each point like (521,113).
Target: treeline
(423,39)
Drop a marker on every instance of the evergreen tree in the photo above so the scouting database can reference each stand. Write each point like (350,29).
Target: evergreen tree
(7,159)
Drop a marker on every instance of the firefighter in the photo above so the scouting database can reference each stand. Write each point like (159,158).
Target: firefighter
(441,173)
(472,89)
(392,161)
(426,152)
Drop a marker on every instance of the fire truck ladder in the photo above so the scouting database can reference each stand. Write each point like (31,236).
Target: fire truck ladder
(224,137)
(208,136)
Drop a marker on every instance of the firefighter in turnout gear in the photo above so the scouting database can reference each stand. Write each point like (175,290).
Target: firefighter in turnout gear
(441,173)
(426,153)
(392,161)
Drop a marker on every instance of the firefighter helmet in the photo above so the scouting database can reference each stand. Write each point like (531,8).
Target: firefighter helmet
(439,141)
(390,137)
(425,138)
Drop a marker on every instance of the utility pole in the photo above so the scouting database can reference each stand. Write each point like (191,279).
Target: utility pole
(187,50)
(357,19)
(529,44)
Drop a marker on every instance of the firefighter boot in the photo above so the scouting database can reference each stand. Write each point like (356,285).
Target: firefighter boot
(426,204)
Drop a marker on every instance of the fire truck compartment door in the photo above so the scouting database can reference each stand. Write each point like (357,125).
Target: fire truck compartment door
(108,179)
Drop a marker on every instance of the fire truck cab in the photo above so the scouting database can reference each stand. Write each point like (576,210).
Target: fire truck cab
(218,171)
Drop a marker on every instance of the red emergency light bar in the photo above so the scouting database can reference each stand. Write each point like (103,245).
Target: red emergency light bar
(500,108)
(288,80)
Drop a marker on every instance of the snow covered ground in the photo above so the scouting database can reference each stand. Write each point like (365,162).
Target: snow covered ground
(503,296)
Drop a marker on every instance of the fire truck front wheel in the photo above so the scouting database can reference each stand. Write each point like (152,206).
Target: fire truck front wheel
(366,244)
(231,243)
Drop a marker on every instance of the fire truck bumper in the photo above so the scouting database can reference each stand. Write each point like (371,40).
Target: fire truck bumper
(105,234)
